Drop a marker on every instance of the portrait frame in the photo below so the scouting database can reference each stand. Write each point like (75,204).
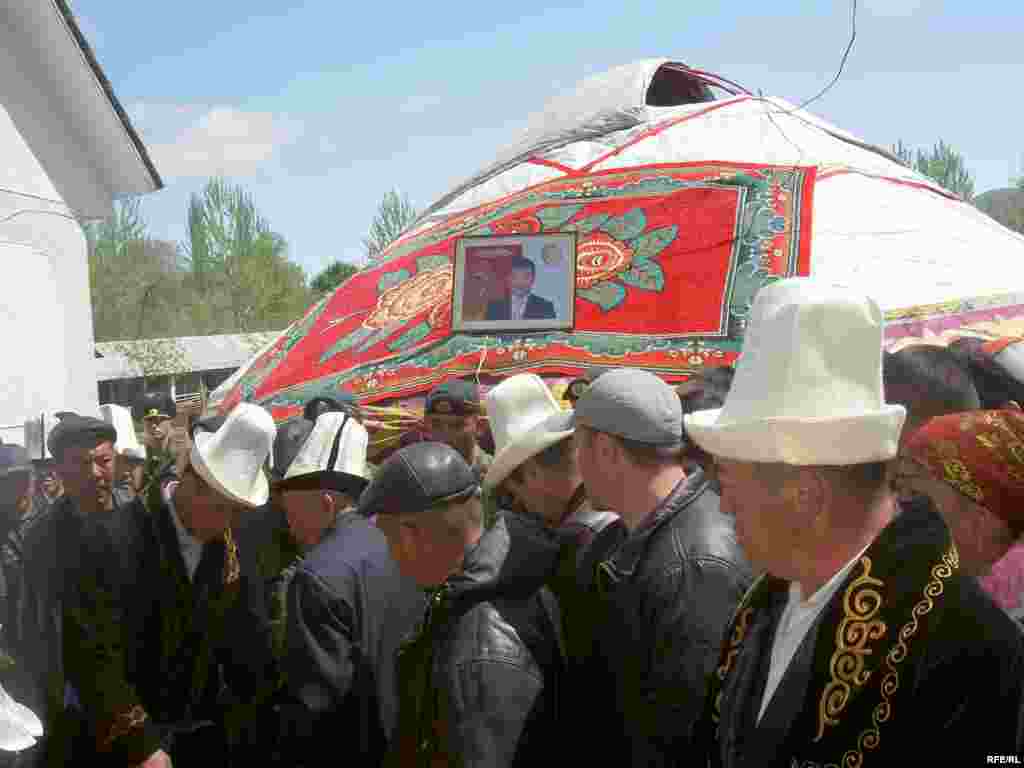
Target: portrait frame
(483,267)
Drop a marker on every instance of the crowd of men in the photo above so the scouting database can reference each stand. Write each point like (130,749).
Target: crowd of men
(772,566)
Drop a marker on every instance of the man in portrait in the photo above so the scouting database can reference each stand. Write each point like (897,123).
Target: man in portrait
(520,303)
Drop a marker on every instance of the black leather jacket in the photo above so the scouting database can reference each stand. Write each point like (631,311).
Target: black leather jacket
(667,594)
(474,708)
(348,608)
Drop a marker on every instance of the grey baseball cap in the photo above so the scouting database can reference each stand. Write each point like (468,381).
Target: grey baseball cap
(635,405)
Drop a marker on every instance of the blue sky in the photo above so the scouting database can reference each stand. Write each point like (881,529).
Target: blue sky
(320,109)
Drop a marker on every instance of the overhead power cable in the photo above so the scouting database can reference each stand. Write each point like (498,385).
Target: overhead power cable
(842,63)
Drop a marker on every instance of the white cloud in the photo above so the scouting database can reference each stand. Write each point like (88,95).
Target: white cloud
(197,141)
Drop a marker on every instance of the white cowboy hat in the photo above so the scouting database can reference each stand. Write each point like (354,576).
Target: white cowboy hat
(19,726)
(808,387)
(525,419)
(120,418)
(231,459)
(332,457)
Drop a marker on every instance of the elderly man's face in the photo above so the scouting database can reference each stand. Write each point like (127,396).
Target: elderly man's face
(423,548)
(771,525)
(208,513)
(311,512)
(520,282)
(88,476)
(549,487)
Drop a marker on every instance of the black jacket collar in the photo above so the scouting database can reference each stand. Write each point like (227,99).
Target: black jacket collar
(625,561)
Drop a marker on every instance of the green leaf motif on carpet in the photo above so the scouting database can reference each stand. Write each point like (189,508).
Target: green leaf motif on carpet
(607,295)
(391,279)
(427,263)
(645,274)
(627,226)
(410,337)
(588,224)
(650,244)
(354,339)
(378,336)
(555,216)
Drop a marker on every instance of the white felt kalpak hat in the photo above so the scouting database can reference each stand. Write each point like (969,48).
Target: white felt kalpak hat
(525,419)
(120,418)
(808,387)
(333,457)
(231,459)
(19,726)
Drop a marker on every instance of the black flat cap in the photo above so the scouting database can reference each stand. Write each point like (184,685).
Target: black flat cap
(344,402)
(457,397)
(416,478)
(79,430)
(152,405)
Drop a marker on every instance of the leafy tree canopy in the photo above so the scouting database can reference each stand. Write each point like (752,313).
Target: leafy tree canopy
(394,215)
(942,164)
(331,277)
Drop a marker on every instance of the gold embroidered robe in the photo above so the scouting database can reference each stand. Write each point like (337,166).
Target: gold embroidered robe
(909,660)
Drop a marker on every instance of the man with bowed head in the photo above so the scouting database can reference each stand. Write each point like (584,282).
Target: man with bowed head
(863,642)
(473,679)
(348,606)
(666,594)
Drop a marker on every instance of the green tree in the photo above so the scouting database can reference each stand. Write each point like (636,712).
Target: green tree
(394,215)
(243,280)
(134,280)
(942,164)
(331,277)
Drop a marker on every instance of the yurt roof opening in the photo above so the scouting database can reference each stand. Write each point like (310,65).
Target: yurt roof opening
(653,202)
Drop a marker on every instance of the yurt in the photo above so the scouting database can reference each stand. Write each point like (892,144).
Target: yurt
(641,212)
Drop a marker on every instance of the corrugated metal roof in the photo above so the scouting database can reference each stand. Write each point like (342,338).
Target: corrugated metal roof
(128,359)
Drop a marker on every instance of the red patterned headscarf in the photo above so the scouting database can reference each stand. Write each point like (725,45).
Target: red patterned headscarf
(981,454)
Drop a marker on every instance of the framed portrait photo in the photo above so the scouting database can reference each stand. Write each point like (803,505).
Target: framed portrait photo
(517,282)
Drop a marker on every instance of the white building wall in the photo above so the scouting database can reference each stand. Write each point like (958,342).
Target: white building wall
(47,344)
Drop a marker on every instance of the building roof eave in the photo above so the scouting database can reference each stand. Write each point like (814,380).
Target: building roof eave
(108,90)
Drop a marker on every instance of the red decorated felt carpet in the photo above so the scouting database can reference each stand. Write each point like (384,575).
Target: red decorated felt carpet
(668,259)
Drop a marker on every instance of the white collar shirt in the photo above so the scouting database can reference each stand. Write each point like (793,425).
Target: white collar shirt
(191,548)
(796,620)
(517,306)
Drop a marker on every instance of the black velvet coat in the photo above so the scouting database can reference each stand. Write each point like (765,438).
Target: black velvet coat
(909,661)
(126,651)
(348,610)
